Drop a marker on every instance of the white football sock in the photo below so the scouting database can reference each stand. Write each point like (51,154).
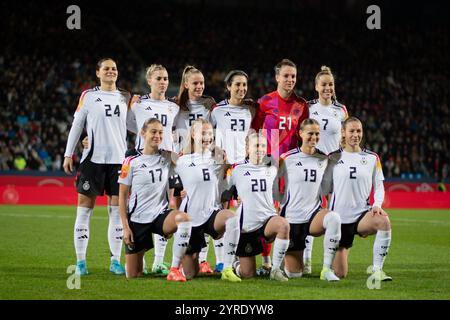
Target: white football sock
(115,233)
(180,242)
(230,240)
(81,232)
(292,274)
(307,253)
(160,249)
(381,248)
(332,225)
(219,250)
(279,250)
(203,255)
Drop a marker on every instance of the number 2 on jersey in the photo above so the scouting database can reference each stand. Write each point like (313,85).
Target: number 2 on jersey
(352,172)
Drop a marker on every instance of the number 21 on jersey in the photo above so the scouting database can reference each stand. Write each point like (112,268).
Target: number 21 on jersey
(285,123)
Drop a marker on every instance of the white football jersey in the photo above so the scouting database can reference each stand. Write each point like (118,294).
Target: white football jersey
(232,125)
(330,119)
(184,120)
(256,186)
(200,175)
(105,115)
(144,107)
(351,176)
(148,176)
(303,175)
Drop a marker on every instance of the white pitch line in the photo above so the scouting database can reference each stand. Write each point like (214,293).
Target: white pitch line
(44,216)
(422,221)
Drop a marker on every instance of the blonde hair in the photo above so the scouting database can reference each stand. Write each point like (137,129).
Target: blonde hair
(153,68)
(252,135)
(183,93)
(189,147)
(324,70)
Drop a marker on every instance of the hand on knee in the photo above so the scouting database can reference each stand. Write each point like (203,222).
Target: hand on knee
(383,224)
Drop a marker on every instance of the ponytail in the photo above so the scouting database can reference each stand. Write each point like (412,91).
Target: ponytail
(183,93)
(324,70)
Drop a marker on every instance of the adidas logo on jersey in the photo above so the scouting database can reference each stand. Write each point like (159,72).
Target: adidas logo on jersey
(340,162)
(315,113)
(246,174)
(227,114)
(143,166)
(192,165)
(298,164)
(148,108)
(98,100)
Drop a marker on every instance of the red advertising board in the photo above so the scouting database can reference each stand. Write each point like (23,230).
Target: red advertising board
(55,190)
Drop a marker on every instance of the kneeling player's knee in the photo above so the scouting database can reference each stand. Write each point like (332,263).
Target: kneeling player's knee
(247,274)
(182,217)
(283,227)
(383,223)
(132,274)
(232,222)
(331,219)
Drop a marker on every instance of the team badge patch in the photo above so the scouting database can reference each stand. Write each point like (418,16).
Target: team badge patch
(124,171)
(363,160)
(86,186)
(320,164)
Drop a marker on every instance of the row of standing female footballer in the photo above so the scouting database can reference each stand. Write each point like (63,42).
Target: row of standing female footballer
(301,216)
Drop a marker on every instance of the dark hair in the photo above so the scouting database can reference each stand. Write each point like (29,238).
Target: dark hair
(308,121)
(282,63)
(229,78)
(99,63)
(148,122)
(183,94)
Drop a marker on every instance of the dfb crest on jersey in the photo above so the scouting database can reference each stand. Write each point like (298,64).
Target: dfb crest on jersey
(267,172)
(320,163)
(363,160)
(86,186)
(335,114)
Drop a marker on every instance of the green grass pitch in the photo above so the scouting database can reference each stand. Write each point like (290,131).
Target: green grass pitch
(37,248)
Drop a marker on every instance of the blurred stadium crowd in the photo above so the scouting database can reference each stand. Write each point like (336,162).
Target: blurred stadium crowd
(395,79)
